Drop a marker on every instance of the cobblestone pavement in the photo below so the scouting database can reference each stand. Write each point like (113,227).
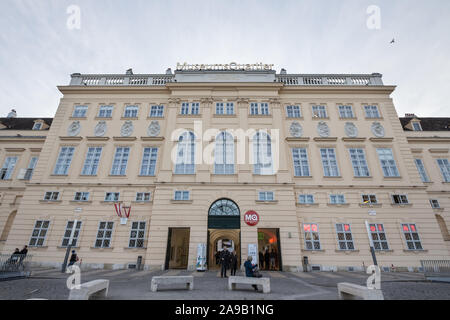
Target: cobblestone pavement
(130,284)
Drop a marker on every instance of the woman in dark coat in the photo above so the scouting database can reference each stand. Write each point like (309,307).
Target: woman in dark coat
(233,263)
(267,259)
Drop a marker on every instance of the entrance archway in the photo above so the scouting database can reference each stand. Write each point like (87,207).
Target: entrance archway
(224,230)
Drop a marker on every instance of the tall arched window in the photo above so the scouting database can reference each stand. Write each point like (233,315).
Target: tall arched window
(224,154)
(262,153)
(185,154)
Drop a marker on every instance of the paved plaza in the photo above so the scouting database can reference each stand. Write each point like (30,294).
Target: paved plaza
(130,284)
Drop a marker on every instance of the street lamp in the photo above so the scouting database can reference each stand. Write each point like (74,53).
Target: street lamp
(69,246)
(372,249)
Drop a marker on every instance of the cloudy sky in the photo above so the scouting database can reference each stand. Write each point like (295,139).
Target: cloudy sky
(38,51)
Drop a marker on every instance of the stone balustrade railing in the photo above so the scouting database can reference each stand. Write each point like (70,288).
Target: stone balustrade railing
(373,79)
(120,80)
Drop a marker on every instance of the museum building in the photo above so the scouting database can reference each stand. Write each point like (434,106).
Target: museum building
(174,167)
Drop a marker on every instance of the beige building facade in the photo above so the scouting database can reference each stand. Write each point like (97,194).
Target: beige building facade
(315,156)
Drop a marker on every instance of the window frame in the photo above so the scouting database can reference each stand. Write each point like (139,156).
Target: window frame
(421,170)
(113,193)
(401,197)
(293,111)
(148,169)
(264,196)
(76,233)
(137,237)
(75,113)
(343,111)
(40,228)
(143,196)
(188,146)
(109,109)
(329,160)
(369,113)
(182,194)
(445,168)
(345,241)
(103,238)
(361,168)
(65,162)
(227,151)
(83,197)
(156,111)
(389,168)
(306,196)
(92,162)
(133,107)
(339,197)
(7,169)
(378,240)
(312,241)
(51,197)
(319,111)
(411,240)
(369,198)
(120,169)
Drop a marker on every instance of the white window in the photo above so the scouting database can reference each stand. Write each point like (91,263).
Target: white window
(344,236)
(190,108)
(445,169)
(181,195)
(261,108)
(372,111)
(8,168)
(80,111)
(378,237)
(312,240)
(265,196)
(337,199)
(387,162)
(39,233)
(416,126)
(369,199)
(329,162)
(359,163)
(411,236)
(137,234)
(112,196)
(51,196)
(119,166)
(186,154)
(346,112)
(305,198)
(149,158)
(63,161)
(224,154)
(421,168)
(143,196)
(262,153)
(37,126)
(399,199)
(225,108)
(435,203)
(30,169)
(105,112)
(300,160)
(81,196)
(157,111)
(104,234)
(293,112)
(92,161)
(319,112)
(68,232)
(131,111)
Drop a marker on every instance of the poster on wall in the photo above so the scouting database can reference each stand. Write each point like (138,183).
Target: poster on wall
(201,257)
(253,252)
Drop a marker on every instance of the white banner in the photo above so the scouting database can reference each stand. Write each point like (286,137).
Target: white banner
(253,252)
(201,257)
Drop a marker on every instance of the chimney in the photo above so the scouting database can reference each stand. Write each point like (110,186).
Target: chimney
(283,71)
(169,71)
(12,114)
(410,115)
(129,71)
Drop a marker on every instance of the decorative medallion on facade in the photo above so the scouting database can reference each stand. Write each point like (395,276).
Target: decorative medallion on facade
(377,130)
(351,130)
(154,129)
(323,129)
(296,129)
(100,129)
(74,129)
(127,129)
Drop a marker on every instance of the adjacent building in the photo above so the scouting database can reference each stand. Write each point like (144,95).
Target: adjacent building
(306,166)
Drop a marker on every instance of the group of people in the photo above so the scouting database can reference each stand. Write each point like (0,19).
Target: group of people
(18,256)
(268,260)
(226,260)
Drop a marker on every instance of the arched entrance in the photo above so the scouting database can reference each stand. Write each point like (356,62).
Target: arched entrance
(224,230)
(5,233)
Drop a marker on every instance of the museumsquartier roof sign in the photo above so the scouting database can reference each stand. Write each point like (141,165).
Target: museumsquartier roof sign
(230,66)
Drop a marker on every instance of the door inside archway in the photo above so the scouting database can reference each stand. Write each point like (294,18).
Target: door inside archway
(224,231)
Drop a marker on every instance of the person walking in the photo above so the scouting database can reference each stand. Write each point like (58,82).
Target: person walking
(224,262)
(234,262)
(273,256)
(267,259)
(14,257)
(73,258)
(261,260)
(250,270)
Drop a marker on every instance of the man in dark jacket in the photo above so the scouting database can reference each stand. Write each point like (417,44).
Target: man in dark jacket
(23,254)
(233,263)
(267,258)
(224,262)
(73,258)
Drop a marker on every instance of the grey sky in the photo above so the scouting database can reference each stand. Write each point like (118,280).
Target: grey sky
(38,51)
